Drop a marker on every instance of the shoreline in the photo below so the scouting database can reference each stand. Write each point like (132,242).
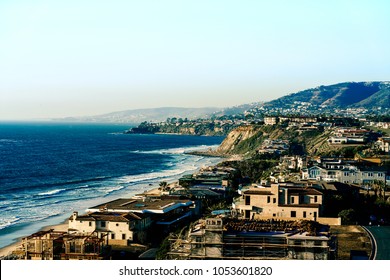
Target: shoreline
(13,247)
(63,226)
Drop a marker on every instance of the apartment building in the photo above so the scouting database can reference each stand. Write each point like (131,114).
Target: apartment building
(279,202)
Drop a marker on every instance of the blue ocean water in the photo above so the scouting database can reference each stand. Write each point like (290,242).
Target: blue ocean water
(48,170)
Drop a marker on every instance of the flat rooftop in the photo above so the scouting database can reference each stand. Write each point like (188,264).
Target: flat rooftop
(142,205)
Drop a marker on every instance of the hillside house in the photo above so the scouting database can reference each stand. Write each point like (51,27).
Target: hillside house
(279,202)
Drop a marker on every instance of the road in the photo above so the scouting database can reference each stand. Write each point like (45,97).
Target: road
(382,237)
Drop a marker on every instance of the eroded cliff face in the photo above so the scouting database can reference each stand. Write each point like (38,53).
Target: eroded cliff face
(236,137)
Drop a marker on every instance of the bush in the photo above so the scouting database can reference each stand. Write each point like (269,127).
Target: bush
(348,216)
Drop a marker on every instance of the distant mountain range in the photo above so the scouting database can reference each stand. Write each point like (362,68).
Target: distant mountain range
(152,114)
(344,95)
(369,95)
(159,114)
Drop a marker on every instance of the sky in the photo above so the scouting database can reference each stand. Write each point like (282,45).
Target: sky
(90,57)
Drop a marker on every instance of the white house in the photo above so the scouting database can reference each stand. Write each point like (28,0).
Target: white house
(115,228)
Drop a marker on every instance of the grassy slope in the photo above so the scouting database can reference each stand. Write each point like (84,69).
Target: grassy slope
(315,142)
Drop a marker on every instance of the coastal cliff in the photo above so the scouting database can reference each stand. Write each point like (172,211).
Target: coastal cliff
(185,127)
(249,139)
(241,140)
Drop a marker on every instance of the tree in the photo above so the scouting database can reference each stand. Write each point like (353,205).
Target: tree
(379,188)
(163,186)
(348,216)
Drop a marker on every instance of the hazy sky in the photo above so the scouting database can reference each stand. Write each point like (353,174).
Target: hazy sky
(81,57)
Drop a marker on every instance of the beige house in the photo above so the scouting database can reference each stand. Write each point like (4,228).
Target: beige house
(270,120)
(116,228)
(383,144)
(279,202)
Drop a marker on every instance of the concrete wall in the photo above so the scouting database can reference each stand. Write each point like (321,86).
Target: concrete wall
(330,221)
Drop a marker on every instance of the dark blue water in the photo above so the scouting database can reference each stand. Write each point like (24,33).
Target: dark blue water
(49,170)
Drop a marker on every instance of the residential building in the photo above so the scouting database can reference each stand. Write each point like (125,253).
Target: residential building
(347,135)
(383,144)
(348,174)
(166,212)
(293,162)
(119,229)
(279,202)
(58,245)
(229,238)
(270,120)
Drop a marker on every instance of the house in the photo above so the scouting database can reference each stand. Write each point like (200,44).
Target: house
(58,245)
(119,229)
(270,120)
(293,162)
(383,144)
(167,212)
(348,174)
(225,238)
(279,202)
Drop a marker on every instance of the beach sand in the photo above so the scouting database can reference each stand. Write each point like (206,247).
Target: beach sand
(17,245)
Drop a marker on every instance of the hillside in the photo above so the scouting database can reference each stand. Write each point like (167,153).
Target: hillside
(349,94)
(246,140)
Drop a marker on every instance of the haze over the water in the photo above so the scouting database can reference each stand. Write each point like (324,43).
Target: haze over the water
(88,57)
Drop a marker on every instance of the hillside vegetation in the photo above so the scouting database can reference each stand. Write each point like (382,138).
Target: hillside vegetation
(349,94)
(248,139)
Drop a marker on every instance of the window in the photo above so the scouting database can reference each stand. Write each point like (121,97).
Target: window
(117,225)
(315,198)
(112,235)
(90,224)
(248,200)
(304,214)
(268,199)
(103,223)
(274,200)
(293,214)
(123,236)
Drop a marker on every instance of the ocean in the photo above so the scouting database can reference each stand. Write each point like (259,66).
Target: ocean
(49,170)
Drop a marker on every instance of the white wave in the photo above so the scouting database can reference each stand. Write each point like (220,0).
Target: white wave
(181,150)
(51,192)
(113,189)
(9,141)
(9,221)
(157,175)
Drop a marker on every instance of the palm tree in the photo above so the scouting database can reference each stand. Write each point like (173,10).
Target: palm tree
(163,186)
